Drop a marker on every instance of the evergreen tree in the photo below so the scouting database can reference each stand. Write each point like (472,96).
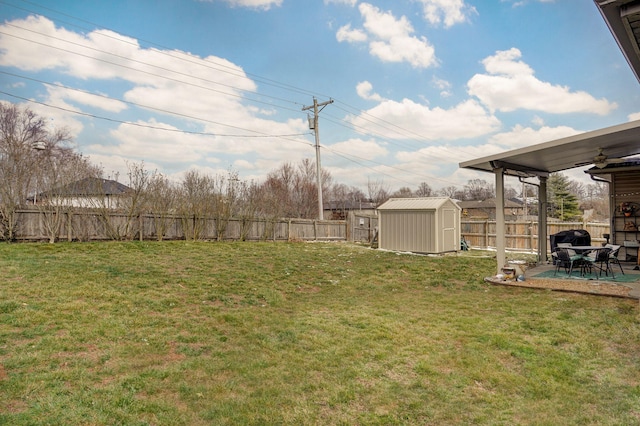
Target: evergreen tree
(564,203)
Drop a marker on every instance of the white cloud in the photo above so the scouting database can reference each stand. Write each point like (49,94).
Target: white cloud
(254,4)
(417,121)
(634,116)
(520,136)
(383,24)
(510,84)
(209,93)
(345,33)
(345,2)
(364,89)
(160,79)
(431,156)
(443,85)
(391,39)
(538,121)
(448,12)
(415,51)
(367,149)
(97,100)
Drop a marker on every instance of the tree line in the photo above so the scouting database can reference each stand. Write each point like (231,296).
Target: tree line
(36,161)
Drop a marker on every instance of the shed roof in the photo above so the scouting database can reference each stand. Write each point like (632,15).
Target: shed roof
(429,203)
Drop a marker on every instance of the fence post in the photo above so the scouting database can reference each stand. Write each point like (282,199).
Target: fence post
(531,236)
(141,226)
(486,233)
(69,230)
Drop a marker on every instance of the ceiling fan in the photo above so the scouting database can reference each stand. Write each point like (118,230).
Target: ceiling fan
(601,160)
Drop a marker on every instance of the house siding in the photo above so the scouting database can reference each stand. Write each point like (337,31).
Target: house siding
(625,189)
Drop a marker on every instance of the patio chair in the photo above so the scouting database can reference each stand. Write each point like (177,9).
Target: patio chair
(613,256)
(599,259)
(561,245)
(567,259)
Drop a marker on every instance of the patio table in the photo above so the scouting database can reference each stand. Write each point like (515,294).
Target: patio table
(583,250)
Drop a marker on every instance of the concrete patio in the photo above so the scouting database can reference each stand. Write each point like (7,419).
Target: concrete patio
(542,277)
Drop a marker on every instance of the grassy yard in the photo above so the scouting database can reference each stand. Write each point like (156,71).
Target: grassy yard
(181,333)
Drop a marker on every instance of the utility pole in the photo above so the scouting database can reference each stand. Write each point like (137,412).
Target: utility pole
(314,126)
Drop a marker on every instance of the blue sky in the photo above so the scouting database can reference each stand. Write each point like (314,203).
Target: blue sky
(418,85)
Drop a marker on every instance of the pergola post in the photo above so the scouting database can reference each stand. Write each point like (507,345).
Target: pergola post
(542,220)
(500,223)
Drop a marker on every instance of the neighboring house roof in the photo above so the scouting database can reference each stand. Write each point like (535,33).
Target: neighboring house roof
(489,203)
(428,203)
(349,205)
(89,187)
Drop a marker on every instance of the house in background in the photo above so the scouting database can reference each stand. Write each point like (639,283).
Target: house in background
(486,209)
(339,210)
(89,192)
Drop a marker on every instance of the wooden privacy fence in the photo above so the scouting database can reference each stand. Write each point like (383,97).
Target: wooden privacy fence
(33,225)
(523,235)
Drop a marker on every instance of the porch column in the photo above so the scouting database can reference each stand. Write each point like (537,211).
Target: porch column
(500,225)
(542,220)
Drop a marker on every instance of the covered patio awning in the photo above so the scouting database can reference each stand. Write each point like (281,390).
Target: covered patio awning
(579,150)
(623,19)
(542,159)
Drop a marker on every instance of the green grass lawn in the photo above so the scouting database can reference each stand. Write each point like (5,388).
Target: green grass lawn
(183,333)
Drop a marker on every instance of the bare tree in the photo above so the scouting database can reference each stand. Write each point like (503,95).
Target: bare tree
(578,189)
(136,200)
(57,169)
(452,191)
(247,207)
(21,130)
(510,192)
(597,199)
(291,190)
(196,201)
(226,200)
(478,189)
(424,190)
(161,199)
(378,191)
(119,207)
(404,192)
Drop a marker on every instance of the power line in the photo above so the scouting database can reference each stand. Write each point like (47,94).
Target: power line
(142,71)
(227,69)
(152,108)
(223,68)
(148,126)
(346,157)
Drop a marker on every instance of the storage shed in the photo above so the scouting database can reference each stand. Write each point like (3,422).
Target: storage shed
(419,225)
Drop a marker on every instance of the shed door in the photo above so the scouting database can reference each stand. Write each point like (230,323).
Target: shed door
(449,242)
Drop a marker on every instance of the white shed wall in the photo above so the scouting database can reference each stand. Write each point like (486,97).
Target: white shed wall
(404,226)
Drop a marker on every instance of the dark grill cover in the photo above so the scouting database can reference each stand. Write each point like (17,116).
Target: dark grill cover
(577,237)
